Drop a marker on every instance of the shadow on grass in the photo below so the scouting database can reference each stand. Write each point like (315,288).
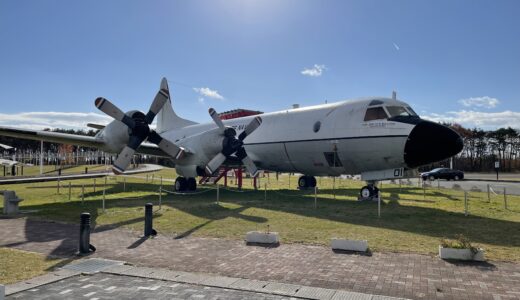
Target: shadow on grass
(428,221)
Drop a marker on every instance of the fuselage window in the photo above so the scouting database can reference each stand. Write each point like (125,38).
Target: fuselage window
(412,112)
(375,102)
(375,113)
(395,111)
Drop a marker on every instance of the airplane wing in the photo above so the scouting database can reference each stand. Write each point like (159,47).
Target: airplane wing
(72,139)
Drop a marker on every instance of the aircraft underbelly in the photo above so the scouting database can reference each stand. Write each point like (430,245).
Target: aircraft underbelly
(352,155)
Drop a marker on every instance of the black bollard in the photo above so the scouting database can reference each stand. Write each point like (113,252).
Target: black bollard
(59,172)
(86,170)
(84,235)
(148,220)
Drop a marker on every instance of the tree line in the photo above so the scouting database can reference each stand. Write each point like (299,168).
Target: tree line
(482,148)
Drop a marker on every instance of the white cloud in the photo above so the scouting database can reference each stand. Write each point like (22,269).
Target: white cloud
(207,92)
(201,100)
(41,120)
(315,71)
(484,120)
(486,102)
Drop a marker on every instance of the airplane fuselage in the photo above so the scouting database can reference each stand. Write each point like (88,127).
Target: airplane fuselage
(329,139)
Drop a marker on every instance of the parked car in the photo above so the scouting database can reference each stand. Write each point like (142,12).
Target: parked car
(443,173)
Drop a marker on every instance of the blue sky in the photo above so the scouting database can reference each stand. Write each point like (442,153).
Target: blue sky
(452,60)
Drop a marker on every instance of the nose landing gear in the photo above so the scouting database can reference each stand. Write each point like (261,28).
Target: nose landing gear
(369,192)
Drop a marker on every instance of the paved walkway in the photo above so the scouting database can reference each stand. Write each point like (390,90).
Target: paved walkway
(107,279)
(392,274)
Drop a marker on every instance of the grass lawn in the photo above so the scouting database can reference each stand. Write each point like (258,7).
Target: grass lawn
(18,265)
(410,221)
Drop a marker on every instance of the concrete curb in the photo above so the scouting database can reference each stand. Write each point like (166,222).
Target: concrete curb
(38,281)
(259,286)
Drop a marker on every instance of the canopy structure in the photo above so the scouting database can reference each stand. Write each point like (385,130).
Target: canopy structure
(6,147)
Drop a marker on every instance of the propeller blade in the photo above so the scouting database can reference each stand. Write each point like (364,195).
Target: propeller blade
(110,109)
(164,86)
(123,160)
(248,162)
(215,163)
(216,119)
(166,146)
(252,126)
(250,166)
(158,102)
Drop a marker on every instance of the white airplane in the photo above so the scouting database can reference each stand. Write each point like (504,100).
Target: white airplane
(379,138)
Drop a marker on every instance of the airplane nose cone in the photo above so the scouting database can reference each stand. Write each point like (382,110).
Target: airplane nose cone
(431,142)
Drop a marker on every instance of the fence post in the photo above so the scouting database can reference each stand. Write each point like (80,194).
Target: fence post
(82,193)
(58,186)
(334,186)
(218,193)
(399,185)
(160,195)
(315,197)
(69,189)
(466,203)
(265,191)
(424,190)
(438,184)
(124,184)
(505,199)
(94,185)
(104,188)
(489,193)
(379,205)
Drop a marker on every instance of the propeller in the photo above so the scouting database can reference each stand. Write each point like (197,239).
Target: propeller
(233,145)
(138,123)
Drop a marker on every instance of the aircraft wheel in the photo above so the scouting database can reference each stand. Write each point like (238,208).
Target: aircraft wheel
(180,184)
(366,191)
(191,184)
(303,182)
(312,181)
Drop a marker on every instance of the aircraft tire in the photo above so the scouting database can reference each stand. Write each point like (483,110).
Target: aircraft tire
(303,182)
(191,184)
(312,181)
(366,192)
(180,184)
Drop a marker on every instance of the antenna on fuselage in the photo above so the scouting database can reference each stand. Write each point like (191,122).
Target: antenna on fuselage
(394,95)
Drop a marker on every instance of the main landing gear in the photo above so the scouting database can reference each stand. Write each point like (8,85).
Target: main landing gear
(369,192)
(185,184)
(306,182)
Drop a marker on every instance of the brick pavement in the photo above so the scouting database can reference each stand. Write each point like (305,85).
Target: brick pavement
(392,274)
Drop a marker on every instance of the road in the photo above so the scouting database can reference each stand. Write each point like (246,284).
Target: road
(512,188)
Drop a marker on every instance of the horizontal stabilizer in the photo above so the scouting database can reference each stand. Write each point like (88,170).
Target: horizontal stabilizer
(95,126)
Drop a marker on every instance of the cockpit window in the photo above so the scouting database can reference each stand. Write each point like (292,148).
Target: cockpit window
(411,111)
(375,102)
(375,113)
(395,111)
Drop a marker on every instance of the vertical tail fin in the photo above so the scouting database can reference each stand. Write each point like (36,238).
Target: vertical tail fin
(167,119)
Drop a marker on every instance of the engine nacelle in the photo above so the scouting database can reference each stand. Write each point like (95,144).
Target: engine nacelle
(205,145)
(115,135)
